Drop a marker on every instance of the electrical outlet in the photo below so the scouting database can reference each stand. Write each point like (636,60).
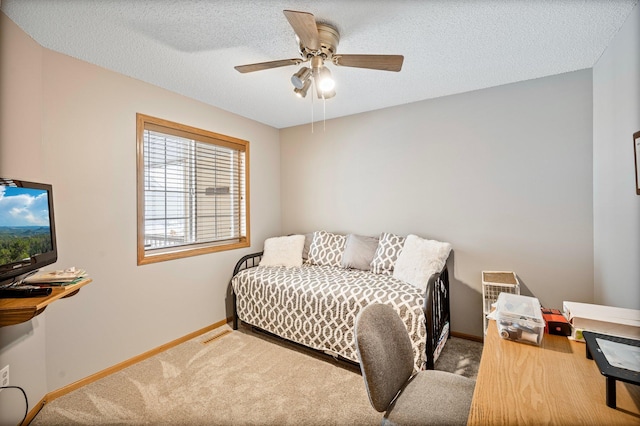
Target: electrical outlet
(4,376)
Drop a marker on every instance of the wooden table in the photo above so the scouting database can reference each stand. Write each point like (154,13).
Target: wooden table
(553,383)
(17,310)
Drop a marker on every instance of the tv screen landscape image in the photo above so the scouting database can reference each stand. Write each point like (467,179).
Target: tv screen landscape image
(27,235)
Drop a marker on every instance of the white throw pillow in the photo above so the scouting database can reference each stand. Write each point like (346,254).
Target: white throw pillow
(283,251)
(419,259)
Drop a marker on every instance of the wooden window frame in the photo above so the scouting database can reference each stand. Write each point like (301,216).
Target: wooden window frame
(146,122)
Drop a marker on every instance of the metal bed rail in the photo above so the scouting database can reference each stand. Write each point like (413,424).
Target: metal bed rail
(249,261)
(437,313)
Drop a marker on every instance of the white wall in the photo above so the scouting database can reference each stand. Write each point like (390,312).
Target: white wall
(22,346)
(90,119)
(504,174)
(616,207)
(85,137)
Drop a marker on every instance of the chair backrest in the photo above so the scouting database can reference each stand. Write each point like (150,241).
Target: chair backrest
(385,353)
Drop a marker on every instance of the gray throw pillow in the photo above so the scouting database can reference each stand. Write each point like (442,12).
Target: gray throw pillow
(308,238)
(359,251)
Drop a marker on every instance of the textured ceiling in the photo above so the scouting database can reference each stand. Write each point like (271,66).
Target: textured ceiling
(450,46)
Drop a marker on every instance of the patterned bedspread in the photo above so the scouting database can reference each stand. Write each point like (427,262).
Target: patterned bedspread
(316,306)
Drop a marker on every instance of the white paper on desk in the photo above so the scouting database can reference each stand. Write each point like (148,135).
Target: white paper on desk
(620,355)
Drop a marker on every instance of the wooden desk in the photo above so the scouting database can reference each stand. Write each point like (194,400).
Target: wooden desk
(15,311)
(549,384)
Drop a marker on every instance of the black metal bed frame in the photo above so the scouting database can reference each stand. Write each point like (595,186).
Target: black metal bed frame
(249,261)
(436,306)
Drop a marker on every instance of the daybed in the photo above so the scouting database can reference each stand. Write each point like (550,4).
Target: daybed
(310,289)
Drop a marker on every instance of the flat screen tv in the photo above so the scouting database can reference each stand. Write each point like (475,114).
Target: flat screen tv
(27,228)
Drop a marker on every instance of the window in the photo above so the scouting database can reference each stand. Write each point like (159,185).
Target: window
(192,191)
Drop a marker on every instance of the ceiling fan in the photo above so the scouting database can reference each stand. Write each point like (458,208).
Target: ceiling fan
(318,43)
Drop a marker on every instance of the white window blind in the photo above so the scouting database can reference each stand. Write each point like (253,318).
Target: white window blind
(194,191)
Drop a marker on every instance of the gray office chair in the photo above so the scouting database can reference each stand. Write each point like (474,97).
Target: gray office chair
(429,397)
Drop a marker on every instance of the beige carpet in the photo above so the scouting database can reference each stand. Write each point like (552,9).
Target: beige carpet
(240,378)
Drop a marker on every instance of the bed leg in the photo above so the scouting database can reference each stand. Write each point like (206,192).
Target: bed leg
(429,364)
(235,311)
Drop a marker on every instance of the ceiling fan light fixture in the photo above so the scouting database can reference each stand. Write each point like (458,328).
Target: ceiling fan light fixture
(328,94)
(325,81)
(301,77)
(301,92)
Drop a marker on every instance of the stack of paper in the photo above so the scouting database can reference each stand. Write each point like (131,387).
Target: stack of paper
(60,277)
(610,320)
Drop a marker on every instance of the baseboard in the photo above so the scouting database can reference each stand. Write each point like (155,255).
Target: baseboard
(120,366)
(467,336)
(34,411)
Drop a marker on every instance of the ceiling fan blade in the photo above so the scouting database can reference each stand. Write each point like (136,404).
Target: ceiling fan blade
(374,62)
(304,24)
(267,65)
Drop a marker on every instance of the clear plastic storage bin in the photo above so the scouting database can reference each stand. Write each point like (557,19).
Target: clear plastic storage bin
(519,318)
(494,283)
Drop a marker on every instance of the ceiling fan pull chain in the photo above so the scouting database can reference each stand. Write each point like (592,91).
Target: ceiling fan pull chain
(324,114)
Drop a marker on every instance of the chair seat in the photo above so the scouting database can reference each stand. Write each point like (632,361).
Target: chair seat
(432,398)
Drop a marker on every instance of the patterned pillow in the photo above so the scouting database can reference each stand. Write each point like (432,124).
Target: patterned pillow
(326,249)
(389,247)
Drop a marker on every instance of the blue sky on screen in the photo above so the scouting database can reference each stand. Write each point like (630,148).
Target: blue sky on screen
(23,207)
